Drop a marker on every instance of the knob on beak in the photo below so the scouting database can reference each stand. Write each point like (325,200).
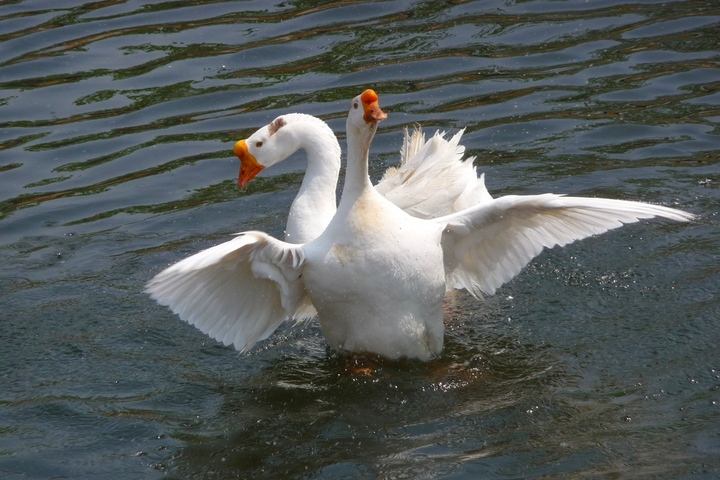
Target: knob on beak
(249,166)
(371,107)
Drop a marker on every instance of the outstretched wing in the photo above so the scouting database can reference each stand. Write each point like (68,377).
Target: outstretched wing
(432,179)
(237,292)
(487,245)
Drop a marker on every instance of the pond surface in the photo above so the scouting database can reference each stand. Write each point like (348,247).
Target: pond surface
(117,120)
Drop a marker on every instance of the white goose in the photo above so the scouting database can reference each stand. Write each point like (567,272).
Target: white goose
(431,180)
(376,274)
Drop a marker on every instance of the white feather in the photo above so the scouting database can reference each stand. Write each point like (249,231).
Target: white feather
(237,292)
(487,245)
(433,179)
(376,274)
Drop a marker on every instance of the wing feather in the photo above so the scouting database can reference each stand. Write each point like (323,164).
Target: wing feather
(433,178)
(237,292)
(487,245)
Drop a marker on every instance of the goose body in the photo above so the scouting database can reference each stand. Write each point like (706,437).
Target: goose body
(374,247)
(376,274)
(366,249)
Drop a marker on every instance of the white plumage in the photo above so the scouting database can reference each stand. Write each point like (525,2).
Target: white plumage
(487,245)
(237,292)
(432,178)
(376,274)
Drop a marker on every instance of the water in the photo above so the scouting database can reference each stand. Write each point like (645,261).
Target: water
(116,123)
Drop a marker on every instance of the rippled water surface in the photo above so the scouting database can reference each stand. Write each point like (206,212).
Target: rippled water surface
(117,120)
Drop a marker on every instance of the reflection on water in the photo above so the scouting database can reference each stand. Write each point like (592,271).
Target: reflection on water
(308,412)
(116,123)
(309,415)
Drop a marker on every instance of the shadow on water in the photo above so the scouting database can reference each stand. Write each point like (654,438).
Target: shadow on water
(319,415)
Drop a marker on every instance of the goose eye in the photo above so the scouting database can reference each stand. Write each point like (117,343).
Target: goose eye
(258,144)
(355,105)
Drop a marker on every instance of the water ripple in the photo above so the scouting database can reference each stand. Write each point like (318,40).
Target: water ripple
(116,127)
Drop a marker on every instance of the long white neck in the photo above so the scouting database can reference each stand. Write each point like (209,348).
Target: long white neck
(357,180)
(315,204)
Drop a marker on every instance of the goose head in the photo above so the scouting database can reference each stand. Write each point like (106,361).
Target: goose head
(364,114)
(267,146)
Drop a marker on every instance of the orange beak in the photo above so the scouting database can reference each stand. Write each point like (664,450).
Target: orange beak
(249,167)
(373,112)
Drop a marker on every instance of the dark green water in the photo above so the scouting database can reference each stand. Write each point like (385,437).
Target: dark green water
(601,360)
